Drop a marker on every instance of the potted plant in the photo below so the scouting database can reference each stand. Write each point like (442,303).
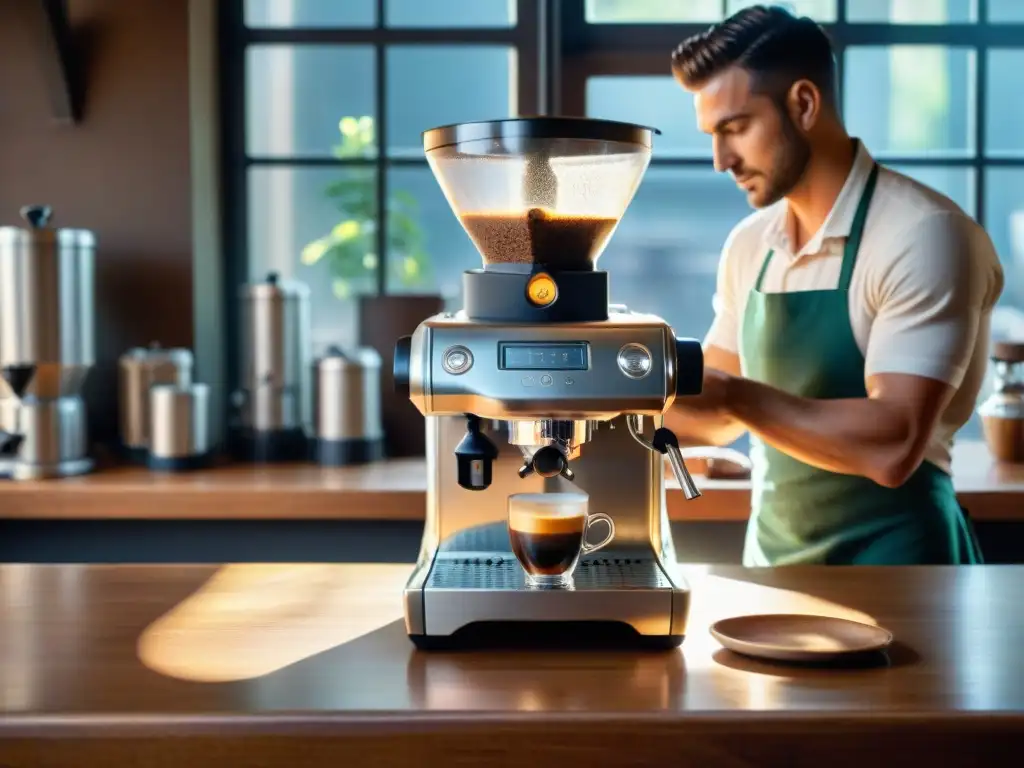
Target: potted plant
(350,248)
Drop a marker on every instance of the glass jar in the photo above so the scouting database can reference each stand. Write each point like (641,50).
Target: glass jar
(1002,414)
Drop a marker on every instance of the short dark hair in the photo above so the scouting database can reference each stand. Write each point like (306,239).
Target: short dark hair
(774,46)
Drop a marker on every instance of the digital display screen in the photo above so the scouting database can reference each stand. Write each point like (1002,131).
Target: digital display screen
(517,356)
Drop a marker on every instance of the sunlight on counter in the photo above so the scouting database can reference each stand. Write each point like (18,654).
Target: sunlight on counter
(250,620)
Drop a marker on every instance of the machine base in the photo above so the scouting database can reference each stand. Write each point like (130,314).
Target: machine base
(618,599)
(547,635)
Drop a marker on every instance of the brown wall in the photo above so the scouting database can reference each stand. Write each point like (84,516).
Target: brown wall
(122,172)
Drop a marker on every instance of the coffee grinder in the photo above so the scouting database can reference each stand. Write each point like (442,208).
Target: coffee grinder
(538,384)
(46,347)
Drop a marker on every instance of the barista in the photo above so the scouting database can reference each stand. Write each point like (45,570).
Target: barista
(851,314)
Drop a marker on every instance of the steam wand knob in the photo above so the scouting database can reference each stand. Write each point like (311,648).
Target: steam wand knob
(666,442)
(474,455)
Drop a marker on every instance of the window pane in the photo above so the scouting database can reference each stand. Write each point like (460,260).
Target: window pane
(643,11)
(310,13)
(450,13)
(657,101)
(421,93)
(1006,11)
(955,183)
(663,257)
(316,225)
(297,98)
(1005,107)
(913,100)
(1004,221)
(429,250)
(819,10)
(912,11)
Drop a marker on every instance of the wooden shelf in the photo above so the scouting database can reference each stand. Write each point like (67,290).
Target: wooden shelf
(392,490)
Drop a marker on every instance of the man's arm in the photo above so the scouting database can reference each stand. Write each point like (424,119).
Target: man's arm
(882,437)
(699,420)
(931,296)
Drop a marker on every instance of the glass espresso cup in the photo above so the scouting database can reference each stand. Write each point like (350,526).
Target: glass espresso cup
(548,532)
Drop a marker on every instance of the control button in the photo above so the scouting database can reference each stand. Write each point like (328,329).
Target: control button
(545,380)
(457,360)
(635,360)
(541,290)
(569,381)
(528,381)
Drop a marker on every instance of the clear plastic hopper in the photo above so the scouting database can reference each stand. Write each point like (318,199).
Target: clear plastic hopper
(542,190)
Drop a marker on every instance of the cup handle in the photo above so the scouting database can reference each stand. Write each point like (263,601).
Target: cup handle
(600,517)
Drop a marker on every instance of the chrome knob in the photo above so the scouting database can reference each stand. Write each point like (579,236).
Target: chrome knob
(635,360)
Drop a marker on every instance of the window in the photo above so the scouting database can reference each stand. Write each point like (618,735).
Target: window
(327,182)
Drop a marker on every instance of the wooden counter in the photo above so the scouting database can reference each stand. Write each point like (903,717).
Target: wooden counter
(393,490)
(308,665)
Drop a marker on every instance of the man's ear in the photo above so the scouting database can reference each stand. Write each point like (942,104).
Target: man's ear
(804,102)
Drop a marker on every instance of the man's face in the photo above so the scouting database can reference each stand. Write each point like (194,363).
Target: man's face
(753,139)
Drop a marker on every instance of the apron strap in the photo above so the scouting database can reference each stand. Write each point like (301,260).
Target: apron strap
(764,268)
(857,231)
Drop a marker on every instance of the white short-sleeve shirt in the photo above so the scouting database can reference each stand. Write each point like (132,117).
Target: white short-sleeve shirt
(921,295)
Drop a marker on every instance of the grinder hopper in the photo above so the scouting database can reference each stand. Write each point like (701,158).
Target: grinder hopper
(542,190)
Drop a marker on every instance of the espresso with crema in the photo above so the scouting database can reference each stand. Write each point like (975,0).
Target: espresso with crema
(547,542)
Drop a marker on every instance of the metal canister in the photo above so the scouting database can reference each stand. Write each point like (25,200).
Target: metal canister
(139,369)
(47,326)
(273,404)
(347,409)
(179,427)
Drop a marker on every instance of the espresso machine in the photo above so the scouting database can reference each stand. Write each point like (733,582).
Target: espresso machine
(538,384)
(46,347)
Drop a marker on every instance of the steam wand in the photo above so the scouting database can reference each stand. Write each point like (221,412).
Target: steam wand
(666,442)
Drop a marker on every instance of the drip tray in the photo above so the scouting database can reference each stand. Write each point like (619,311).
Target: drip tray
(501,571)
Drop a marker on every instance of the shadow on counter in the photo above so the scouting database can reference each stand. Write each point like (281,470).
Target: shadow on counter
(331,541)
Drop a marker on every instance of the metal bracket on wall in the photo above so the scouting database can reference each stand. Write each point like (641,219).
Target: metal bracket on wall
(50,32)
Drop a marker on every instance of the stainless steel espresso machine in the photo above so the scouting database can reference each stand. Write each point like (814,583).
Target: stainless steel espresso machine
(46,347)
(539,385)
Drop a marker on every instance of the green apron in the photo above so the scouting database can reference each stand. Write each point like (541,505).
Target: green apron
(803,343)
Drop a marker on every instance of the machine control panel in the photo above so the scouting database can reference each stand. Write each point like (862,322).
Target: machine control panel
(543,356)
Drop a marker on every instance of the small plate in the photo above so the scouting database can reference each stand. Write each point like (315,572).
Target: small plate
(798,637)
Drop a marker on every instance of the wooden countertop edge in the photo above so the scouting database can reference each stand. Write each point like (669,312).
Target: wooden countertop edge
(723,501)
(346,724)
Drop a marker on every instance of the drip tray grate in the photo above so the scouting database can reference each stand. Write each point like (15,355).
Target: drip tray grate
(497,570)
